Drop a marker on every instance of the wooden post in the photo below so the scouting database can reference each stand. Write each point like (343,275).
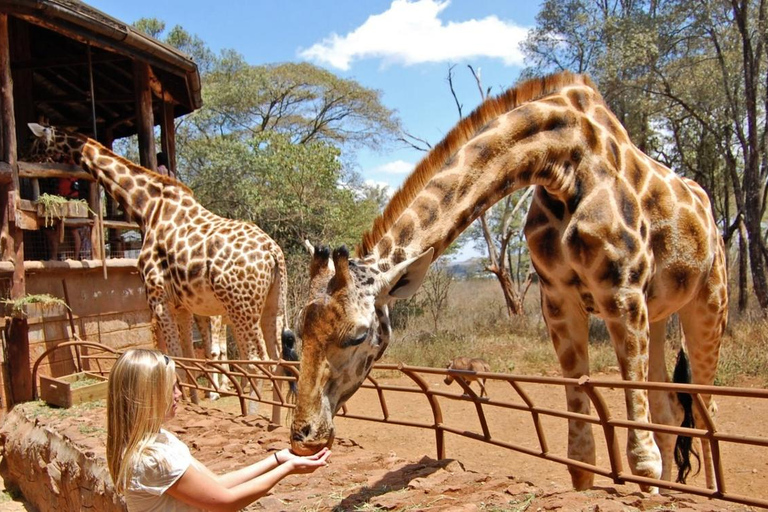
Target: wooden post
(144,116)
(17,340)
(17,352)
(168,137)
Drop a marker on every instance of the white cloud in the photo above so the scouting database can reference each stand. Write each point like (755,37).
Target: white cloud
(411,32)
(394,167)
(388,189)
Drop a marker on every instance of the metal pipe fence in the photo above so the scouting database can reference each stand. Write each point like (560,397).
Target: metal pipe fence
(244,375)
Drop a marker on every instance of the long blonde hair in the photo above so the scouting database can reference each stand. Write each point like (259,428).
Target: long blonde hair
(140,397)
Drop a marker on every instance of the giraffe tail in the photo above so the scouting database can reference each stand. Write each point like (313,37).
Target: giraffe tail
(684,444)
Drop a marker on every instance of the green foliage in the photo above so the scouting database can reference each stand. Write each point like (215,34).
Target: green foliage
(299,99)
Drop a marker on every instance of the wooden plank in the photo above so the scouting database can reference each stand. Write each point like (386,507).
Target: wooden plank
(17,352)
(6,267)
(120,224)
(28,220)
(53,170)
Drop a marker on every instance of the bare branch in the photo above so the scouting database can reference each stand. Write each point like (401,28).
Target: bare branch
(409,139)
(453,91)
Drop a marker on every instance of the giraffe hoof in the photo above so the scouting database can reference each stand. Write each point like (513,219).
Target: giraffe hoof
(213,396)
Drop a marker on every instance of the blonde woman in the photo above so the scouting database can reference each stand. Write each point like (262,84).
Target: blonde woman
(153,469)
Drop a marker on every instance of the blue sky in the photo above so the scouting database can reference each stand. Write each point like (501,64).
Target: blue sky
(400,47)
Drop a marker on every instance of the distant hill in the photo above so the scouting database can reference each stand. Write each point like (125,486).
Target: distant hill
(470,268)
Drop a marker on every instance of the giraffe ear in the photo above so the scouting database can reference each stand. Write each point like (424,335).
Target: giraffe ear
(40,131)
(405,278)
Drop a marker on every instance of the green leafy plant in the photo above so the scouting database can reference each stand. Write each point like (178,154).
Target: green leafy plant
(46,301)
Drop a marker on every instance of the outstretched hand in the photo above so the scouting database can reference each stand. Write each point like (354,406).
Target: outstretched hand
(305,464)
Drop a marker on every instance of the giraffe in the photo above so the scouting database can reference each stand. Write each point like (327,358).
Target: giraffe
(191,260)
(213,331)
(611,232)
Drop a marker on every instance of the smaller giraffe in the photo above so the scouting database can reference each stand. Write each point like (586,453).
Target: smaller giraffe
(467,364)
(192,261)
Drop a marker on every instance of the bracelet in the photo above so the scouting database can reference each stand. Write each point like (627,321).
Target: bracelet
(276,459)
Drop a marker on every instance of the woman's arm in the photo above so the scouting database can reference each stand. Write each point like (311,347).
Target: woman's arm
(241,475)
(198,488)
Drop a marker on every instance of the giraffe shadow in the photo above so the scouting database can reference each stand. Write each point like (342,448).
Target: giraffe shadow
(392,482)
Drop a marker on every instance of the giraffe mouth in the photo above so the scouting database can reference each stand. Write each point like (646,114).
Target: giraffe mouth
(304,447)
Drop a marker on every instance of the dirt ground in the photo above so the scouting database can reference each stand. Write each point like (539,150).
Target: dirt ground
(384,467)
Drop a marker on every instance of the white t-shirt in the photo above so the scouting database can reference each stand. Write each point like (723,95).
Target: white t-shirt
(158,470)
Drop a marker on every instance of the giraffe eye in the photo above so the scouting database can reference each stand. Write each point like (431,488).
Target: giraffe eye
(353,342)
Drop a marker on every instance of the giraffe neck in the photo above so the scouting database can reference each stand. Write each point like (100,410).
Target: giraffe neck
(135,188)
(538,143)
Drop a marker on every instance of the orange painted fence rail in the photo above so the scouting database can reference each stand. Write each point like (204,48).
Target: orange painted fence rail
(97,358)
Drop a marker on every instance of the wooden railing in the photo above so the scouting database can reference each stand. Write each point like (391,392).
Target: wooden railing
(99,359)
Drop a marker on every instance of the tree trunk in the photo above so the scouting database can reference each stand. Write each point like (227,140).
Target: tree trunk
(511,297)
(743,270)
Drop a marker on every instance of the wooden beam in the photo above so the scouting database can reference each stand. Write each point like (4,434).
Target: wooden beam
(13,248)
(120,224)
(119,98)
(144,115)
(7,113)
(68,61)
(68,265)
(168,137)
(53,170)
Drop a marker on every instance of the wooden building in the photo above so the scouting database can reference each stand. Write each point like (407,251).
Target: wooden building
(65,63)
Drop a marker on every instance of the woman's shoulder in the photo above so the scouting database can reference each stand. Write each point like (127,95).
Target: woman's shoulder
(161,462)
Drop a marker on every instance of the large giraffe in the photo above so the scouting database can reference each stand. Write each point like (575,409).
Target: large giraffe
(191,261)
(611,233)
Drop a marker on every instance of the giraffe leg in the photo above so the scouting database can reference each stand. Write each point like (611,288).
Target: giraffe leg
(272,328)
(205,328)
(483,392)
(167,330)
(630,335)
(665,408)
(184,321)
(250,344)
(219,348)
(703,321)
(569,331)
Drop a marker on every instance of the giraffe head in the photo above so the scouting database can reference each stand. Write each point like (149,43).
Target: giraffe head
(344,328)
(54,145)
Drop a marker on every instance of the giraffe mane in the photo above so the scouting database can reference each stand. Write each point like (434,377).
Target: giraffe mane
(490,109)
(166,180)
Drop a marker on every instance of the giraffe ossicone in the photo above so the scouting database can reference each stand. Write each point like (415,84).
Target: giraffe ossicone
(611,232)
(191,261)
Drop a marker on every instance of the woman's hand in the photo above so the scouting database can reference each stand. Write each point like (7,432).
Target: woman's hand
(308,464)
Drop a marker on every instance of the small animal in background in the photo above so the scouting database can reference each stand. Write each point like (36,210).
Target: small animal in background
(472,364)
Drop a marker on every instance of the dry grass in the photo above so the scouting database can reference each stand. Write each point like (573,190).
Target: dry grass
(475,324)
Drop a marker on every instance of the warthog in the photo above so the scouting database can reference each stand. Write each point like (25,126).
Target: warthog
(470,364)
